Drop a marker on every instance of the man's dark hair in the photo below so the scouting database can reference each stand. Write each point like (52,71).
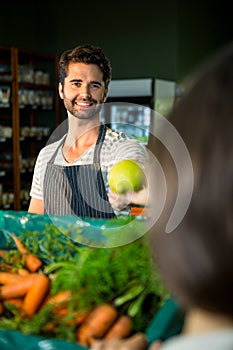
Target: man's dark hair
(85,54)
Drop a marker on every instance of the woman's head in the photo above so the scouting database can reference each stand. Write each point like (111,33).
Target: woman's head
(196,258)
(87,54)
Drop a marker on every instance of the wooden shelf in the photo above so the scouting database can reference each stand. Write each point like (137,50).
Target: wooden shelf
(16,116)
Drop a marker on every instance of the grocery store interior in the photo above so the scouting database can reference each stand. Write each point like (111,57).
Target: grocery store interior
(153,46)
(154,42)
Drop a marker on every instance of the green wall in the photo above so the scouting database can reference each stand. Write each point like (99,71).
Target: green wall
(146,38)
(202,27)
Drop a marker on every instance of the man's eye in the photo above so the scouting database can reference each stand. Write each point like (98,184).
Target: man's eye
(95,86)
(76,84)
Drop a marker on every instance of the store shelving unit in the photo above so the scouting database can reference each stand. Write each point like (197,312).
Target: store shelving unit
(29,112)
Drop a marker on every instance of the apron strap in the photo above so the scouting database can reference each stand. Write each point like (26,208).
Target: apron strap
(98,145)
(51,161)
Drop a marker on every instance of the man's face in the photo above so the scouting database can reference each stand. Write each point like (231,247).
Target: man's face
(84,90)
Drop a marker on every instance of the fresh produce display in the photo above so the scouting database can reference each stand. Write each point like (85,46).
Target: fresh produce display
(52,287)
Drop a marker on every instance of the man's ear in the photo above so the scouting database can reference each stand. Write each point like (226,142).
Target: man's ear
(60,90)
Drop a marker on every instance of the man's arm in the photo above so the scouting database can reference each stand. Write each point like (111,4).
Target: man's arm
(36,206)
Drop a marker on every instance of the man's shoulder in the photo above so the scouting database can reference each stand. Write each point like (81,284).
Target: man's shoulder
(113,134)
(50,148)
(120,138)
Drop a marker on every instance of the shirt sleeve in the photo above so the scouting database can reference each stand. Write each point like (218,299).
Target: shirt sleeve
(36,186)
(131,149)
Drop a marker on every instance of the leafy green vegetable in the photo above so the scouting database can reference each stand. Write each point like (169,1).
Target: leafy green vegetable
(51,245)
(36,325)
(120,275)
(123,275)
(13,261)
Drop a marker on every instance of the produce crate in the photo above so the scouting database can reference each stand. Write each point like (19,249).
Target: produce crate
(108,235)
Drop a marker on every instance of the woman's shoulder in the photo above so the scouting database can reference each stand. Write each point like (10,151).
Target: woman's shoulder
(214,340)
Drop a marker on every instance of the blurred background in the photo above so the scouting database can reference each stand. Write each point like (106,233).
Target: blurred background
(152,45)
(162,38)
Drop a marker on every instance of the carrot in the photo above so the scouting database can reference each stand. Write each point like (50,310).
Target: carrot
(9,277)
(23,272)
(36,294)
(18,288)
(77,316)
(60,297)
(96,324)
(18,302)
(32,262)
(58,301)
(79,319)
(62,312)
(121,328)
(21,248)
(50,327)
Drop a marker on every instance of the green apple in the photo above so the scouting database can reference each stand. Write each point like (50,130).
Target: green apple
(126,176)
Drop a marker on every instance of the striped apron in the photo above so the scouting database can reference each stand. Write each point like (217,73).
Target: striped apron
(79,189)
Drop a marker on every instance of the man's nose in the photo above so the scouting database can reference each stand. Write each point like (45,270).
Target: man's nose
(85,91)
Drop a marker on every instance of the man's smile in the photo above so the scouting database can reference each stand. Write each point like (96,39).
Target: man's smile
(84,104)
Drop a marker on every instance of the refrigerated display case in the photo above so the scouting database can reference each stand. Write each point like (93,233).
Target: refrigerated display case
(132,103)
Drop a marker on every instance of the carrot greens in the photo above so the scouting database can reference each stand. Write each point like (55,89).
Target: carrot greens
(124,277)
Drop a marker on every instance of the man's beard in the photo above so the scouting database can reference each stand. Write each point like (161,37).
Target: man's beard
(82,113)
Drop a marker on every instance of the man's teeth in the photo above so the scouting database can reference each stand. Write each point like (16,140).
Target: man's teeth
(83,104)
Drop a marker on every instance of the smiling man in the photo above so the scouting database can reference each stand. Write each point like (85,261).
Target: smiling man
(70,175)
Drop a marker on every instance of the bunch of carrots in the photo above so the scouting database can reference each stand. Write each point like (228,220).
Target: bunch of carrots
(28,289)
